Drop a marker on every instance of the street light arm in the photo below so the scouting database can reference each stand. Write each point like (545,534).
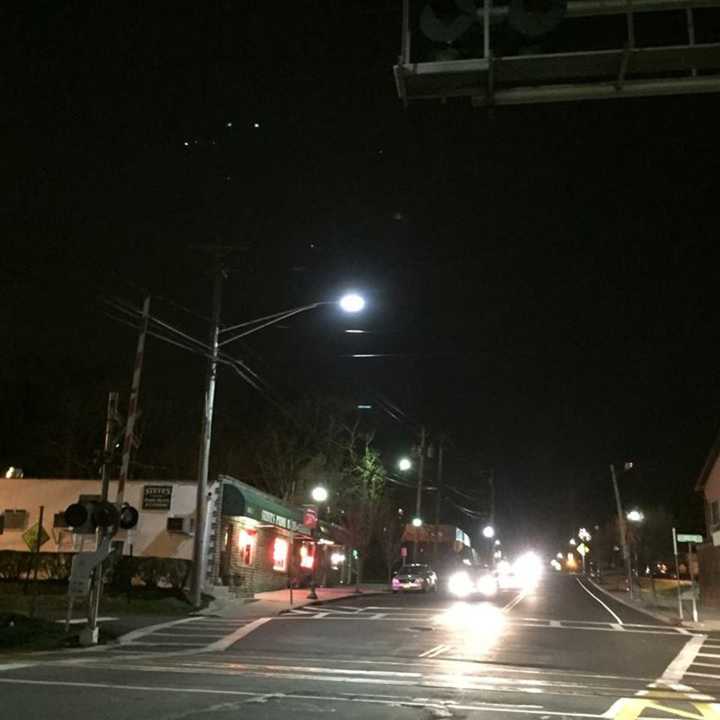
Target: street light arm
(269,320)
(280,314)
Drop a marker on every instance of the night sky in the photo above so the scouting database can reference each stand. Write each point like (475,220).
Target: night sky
(542,280)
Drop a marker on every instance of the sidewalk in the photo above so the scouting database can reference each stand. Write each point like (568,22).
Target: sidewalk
(278,601)
(708,618)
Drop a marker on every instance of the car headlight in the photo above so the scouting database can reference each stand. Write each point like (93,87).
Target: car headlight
(460,584)
(487,585)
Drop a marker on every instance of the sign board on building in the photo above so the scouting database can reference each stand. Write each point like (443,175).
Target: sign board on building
(157,497)
(310,517)
(30,536)
(689,538)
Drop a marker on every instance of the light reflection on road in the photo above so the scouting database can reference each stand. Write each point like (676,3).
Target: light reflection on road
(477,627)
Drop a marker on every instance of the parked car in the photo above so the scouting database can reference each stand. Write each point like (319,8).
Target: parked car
(415,576)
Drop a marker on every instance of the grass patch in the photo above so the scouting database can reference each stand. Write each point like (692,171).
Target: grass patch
(19,632)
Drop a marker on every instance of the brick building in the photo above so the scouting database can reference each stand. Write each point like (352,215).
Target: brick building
(708,483)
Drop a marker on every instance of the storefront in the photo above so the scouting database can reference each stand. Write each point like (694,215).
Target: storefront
(265,546)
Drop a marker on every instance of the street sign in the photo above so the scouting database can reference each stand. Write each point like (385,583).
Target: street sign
(30,536)
(403,552)
(689,538)
(583,549)
(157,497)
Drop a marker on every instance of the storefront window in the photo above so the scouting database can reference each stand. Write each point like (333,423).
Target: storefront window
(280,553)
(246,545)
(306,556)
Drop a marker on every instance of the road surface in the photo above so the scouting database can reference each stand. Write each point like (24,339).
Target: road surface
(564,650)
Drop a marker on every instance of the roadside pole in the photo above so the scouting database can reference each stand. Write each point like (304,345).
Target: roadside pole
(90,634)
(205,439)
(290,565)
(623,531)
(692,583)
(418,498)
(677,575)
(438,499)
(133,405)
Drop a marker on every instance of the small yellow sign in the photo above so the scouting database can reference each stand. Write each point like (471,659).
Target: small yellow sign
(30,536)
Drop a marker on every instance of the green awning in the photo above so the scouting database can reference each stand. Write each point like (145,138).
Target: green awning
(242,500)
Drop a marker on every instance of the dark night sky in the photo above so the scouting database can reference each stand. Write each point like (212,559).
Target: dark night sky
(543,277)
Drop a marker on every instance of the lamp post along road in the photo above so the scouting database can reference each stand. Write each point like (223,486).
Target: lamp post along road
(418,498)
(623,530)
(350,303)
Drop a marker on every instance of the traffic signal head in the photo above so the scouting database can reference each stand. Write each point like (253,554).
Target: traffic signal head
(128,517)
(105,515)
(79,516)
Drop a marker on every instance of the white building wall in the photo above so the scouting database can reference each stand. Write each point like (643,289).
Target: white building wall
(150,538)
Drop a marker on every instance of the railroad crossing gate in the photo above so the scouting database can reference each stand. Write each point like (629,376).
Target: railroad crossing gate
(510,52)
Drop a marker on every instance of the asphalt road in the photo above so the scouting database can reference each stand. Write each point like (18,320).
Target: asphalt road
(562,650)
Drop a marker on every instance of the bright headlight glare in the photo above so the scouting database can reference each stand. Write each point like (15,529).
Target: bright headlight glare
(460,584)
(487,585)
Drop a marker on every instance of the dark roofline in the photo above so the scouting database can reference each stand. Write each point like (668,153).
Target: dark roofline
(709,464)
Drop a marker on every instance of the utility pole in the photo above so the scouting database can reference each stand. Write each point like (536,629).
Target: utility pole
(90,633)
(418,499)
(199,544)
(133,405)
(623,530)
(438,498)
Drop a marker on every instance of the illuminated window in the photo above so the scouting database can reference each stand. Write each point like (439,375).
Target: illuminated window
(246,545)
(280,553)
(306,556)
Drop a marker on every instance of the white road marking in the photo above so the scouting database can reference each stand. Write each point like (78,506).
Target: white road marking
(675,671)
(227,641)
(320,615)
(167,643)
(15,666)
(517,599)
(428,653)
(712,655)
(704,664)
(595,597)
(617,626)
(705,675)
(353,698)
(378,616)
(555,624)
(80,621)
(142,632)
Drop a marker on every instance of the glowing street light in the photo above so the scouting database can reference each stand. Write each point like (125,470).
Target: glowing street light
(404,464)
(559,556)
(498,543)
(636,516)
(319,494)
(488,532)
(417,522)
(352,302)
(573,541)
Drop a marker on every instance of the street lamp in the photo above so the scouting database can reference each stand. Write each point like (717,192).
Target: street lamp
(404,464)
(417,522)
(636,516)
(352,302)
(573,541)
(319,494)
(488,532)
(498,543)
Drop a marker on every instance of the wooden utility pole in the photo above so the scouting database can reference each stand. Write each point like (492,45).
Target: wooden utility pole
(418,498)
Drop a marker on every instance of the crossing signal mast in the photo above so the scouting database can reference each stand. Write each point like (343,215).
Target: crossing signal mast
(513,52)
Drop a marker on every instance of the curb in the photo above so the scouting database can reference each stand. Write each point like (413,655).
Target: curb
(673,622)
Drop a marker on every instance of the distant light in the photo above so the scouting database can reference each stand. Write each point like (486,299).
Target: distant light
(364,407)
(635,516)
(186,144)
(352,302)
(404,464)
(488,532)
(366,355)
(497,542)
(356,332)
(573,541)
(228,124)
(559,556)
(256,125)
(417,522)
(319,494)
